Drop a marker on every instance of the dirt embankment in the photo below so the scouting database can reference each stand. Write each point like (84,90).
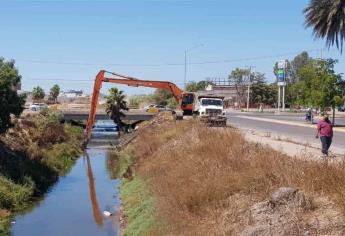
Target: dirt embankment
(33,154)
(210,181)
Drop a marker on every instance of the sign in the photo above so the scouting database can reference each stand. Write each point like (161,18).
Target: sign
(281,75)
(281,64)
(281,72)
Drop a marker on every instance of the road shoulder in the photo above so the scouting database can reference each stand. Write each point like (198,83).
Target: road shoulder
(289,145)
(338,129)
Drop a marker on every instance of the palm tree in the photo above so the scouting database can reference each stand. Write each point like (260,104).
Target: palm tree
(115,105)
(327,17)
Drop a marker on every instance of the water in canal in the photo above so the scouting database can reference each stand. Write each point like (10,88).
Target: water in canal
(76,204)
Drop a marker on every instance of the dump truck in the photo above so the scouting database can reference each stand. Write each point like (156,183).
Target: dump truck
(210,109)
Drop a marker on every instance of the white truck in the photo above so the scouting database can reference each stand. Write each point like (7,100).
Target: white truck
(211,110)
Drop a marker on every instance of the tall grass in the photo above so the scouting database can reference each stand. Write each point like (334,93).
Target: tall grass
(194,172)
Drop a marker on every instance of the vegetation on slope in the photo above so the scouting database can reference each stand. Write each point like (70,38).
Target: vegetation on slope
(209,181)
(33,154)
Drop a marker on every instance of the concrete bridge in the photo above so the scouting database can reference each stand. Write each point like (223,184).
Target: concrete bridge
(83,115)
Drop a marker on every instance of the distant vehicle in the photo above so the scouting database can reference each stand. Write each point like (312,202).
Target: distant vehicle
(106,130)
(146,108)
(156,108)
(38,106)
(342,108)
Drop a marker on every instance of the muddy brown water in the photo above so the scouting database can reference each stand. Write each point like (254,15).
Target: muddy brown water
(75,204)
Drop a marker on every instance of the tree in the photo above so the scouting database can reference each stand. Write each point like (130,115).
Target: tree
(260,91)
(292,67)
(321,86)
(327,18)
(240,78)
(54,92)
(10,101)
(115,105)
(38,93)
(193,86)
(162,96)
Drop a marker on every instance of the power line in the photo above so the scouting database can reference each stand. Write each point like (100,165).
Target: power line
(165,64)
(73,81)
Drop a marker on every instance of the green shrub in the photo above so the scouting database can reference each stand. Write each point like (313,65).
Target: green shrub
(13,196)
(61,157)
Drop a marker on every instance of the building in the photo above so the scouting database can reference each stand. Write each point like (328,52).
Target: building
(234,96)
(73,93)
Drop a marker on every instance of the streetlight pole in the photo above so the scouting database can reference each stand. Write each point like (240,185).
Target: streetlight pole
(185,69)
(185,62)
(249,83)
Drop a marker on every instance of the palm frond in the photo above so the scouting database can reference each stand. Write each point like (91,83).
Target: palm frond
(327,18)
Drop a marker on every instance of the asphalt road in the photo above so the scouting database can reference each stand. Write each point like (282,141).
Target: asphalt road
(297,133)
(339,121)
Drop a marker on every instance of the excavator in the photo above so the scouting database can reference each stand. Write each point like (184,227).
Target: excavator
(188,100)
(185,99)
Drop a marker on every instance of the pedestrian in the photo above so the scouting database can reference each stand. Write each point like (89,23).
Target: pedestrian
(325,132)
(308,115)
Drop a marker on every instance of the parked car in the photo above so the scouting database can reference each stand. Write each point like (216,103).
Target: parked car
(146,108)
(38,106)
(156,108)
(342,108)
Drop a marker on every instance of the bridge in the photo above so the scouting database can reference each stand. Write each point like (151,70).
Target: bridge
(83,115)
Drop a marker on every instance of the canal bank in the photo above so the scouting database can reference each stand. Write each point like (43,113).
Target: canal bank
(33,155)
(182,178)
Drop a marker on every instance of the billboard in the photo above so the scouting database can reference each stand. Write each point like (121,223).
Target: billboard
(281,72)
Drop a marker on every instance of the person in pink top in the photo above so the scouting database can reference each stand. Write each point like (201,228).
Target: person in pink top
(325,132)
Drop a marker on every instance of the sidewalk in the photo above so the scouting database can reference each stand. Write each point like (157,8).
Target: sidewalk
(290,146)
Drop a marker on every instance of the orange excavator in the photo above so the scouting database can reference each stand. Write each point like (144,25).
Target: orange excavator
(186,100)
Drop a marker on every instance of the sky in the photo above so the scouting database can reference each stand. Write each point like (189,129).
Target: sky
(68,42)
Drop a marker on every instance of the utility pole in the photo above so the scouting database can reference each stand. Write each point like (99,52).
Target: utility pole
(249,82)
(284,86)
(185,69)
(283,98)
(185,62)
(278,98)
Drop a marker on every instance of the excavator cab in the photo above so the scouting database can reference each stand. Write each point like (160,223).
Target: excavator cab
(187,103)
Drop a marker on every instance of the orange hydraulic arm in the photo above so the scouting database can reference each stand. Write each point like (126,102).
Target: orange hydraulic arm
(130,81)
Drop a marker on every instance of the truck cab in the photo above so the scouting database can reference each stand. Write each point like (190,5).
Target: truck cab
(211,109)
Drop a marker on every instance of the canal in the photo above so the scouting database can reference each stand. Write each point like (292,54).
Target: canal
(76,204)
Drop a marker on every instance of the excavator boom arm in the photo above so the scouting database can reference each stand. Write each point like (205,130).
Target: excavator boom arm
(130,81)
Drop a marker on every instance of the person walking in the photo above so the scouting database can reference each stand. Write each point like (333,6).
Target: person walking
(325,132)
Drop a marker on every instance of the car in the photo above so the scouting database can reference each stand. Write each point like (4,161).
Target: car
(146,108)
(342,108)
(156,108)
(38,106)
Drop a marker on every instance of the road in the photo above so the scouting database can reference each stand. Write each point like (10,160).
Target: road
(296,133)
(339,121)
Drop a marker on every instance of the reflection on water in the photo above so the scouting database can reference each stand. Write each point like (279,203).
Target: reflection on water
(75,204)
(97,215)
(112,165)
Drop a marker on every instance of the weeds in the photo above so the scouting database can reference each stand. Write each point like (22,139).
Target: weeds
(138,205)
(33,154)
(193,171)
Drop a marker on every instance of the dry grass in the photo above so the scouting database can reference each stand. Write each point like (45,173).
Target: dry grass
(205,180)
